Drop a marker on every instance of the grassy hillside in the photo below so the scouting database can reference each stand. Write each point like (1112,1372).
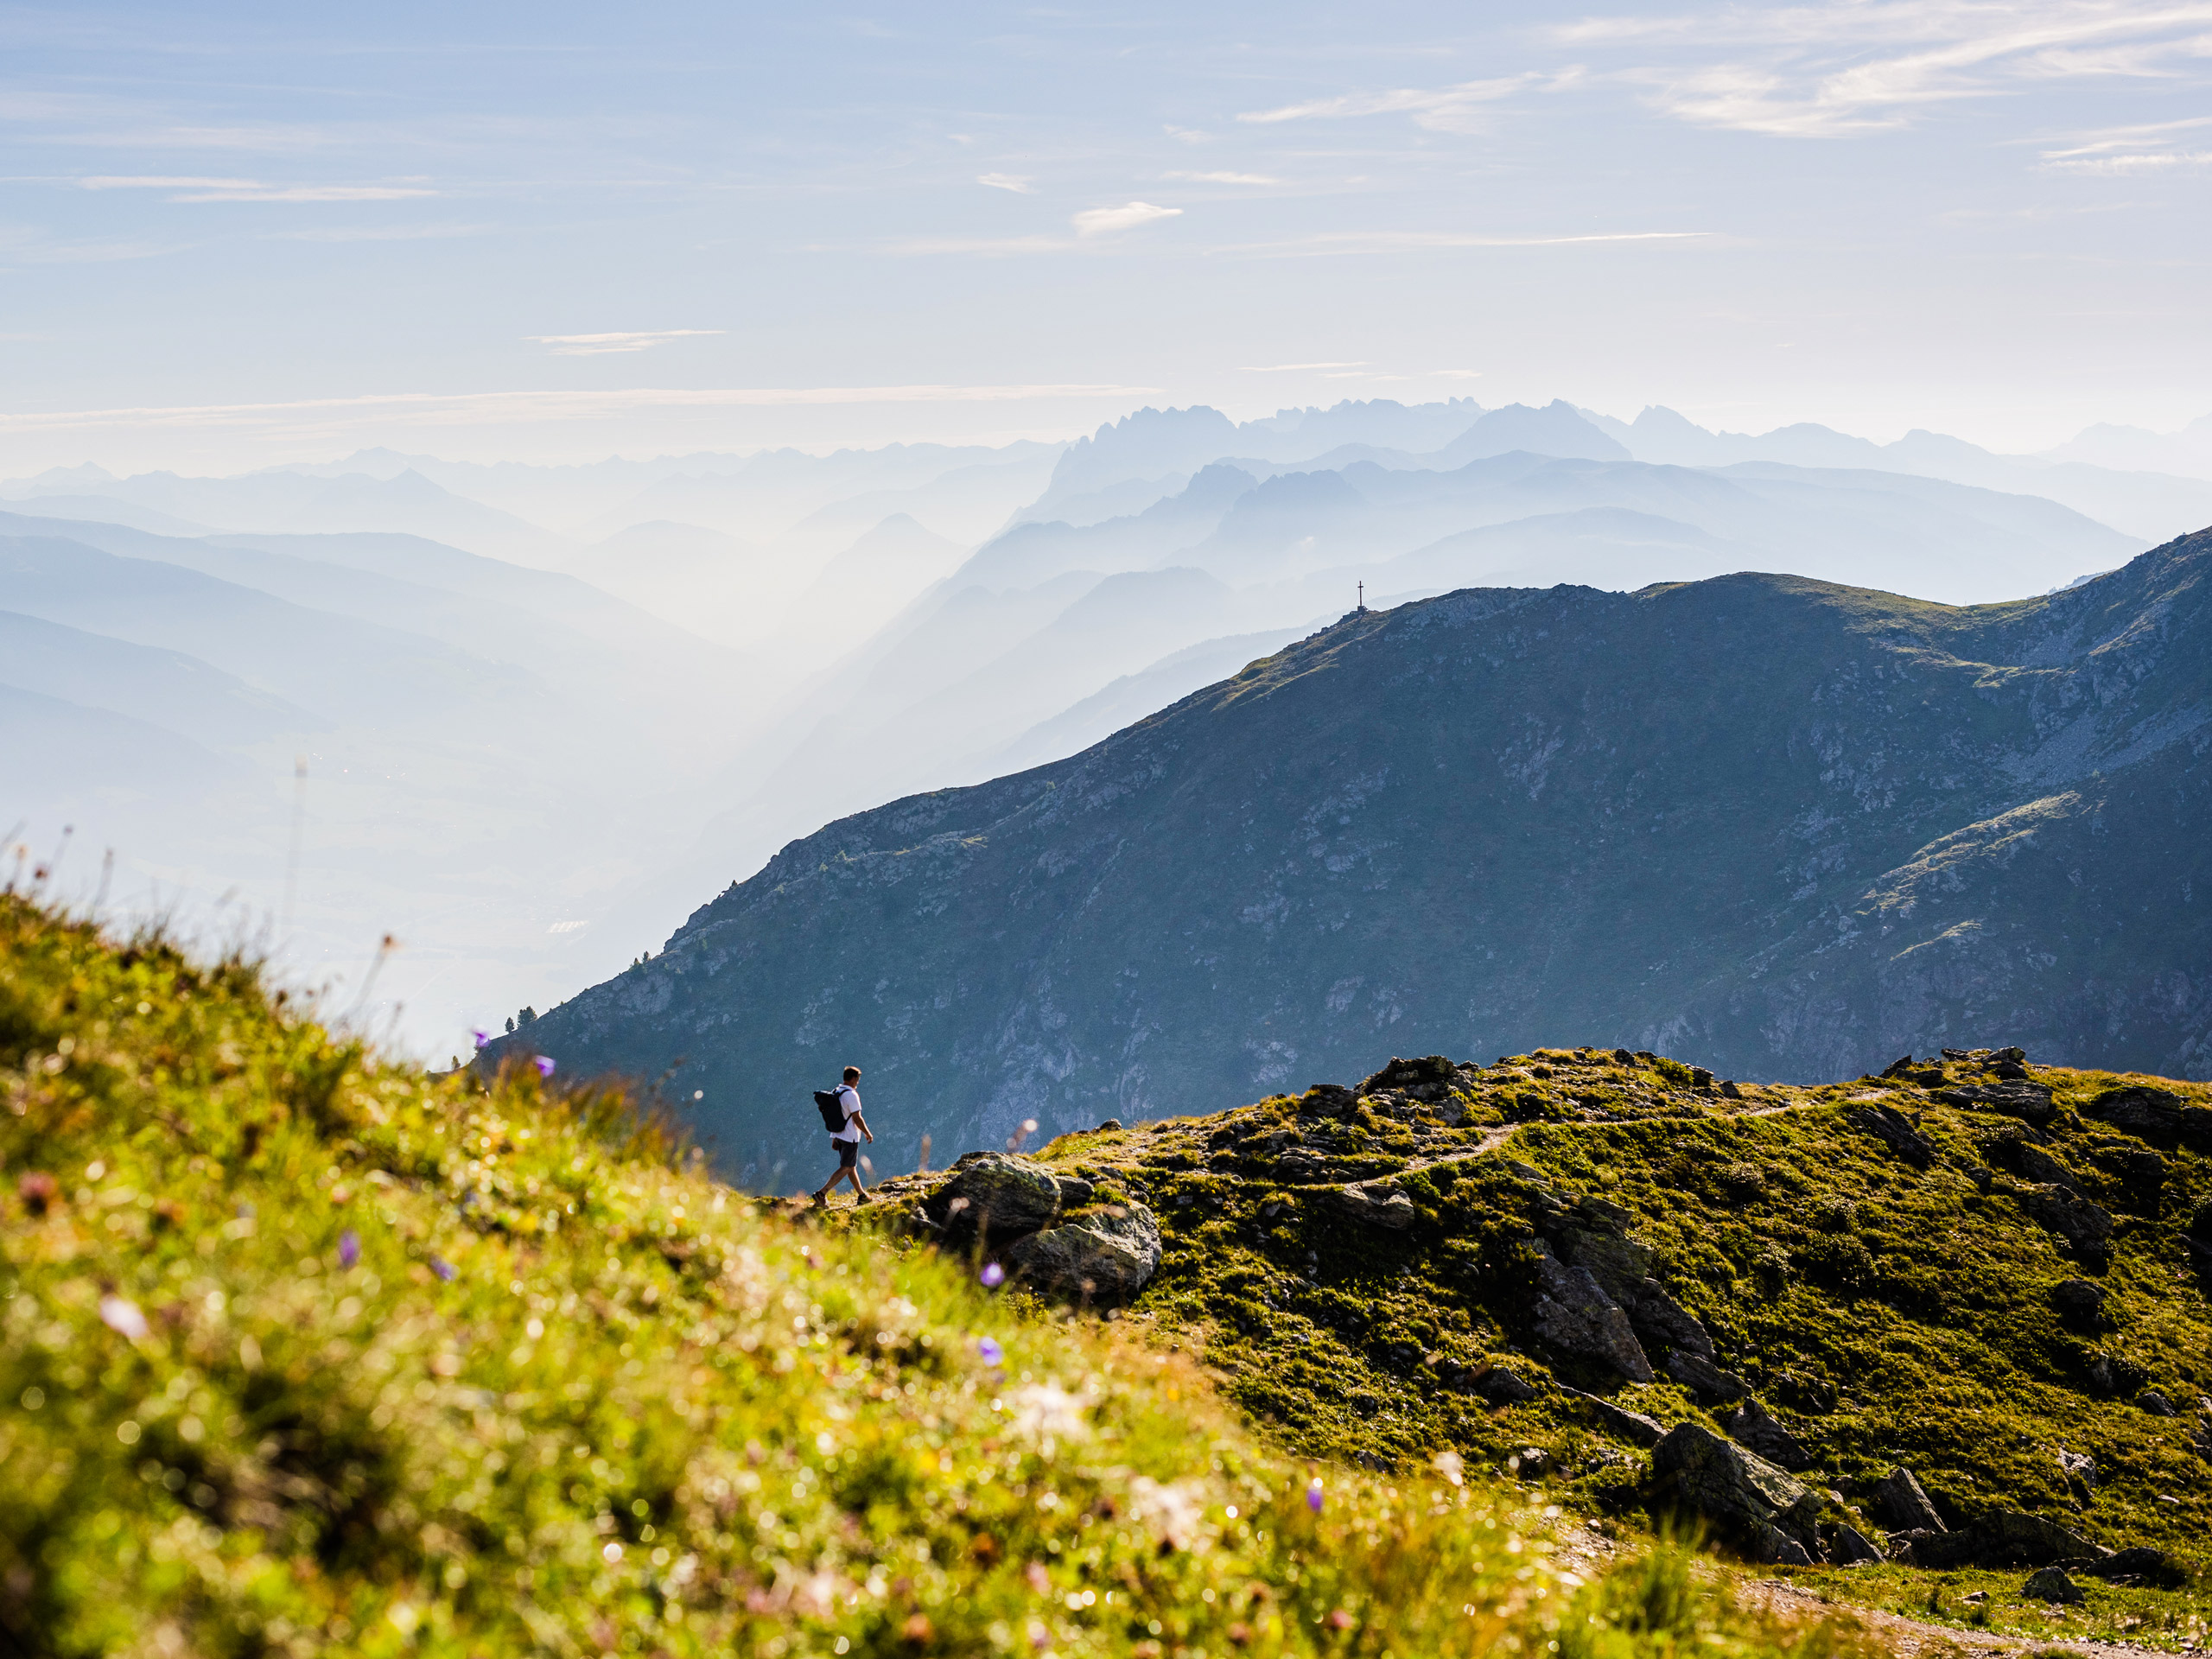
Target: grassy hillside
(305,1351)
(1886,1310)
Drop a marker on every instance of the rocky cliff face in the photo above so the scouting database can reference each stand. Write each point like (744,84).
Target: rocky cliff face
(1794,828)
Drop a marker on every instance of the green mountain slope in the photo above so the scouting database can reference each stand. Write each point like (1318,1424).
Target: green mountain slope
(1885,1265)
(306,1352)
(1794,828)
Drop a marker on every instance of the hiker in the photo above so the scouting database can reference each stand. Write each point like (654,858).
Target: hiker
(847,1141)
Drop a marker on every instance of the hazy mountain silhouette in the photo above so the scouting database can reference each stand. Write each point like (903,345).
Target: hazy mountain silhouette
(1793,826)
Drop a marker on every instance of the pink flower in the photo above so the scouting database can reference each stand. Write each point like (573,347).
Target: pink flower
(122,1317)
(544,1064)
(993,1275)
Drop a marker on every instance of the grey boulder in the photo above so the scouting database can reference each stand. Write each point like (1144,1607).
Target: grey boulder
(2051,1584)
(1698,1374)
(1900,1504)
(1848,1547)
(1374,1205)
(1751,1425)
(1574,1316)
(1105,1254)
(2005,1538)
(1738,1490)
(997,1195)
(1630,1426)
(2085,1226)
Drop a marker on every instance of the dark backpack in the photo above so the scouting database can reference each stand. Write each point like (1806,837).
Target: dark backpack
(832,1108)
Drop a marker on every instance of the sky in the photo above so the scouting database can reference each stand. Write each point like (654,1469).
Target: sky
(239,235)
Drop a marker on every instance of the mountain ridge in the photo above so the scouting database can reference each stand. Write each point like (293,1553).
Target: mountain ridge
(1791,825)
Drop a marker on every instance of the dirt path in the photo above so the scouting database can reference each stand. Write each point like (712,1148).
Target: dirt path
(1913,1638)
(1492,1139)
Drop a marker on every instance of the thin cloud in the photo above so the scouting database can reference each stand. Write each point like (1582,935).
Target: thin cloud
(2152,147)
(605,345)
(1459,108)
(461,408)
(1296,368)
(1019,183)
(191,188)
(1104,221)
(2124,166)
(1225,178)
(1845,67)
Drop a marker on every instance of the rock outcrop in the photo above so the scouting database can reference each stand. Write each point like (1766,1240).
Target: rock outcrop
(2051,1584)
(1045,1228)
(1898,1503)
(1767,1508)
(1630,1426)
(997,1196)
(1697,1373)
(1751,1425)
(2005,1538)
(2084,1224)
(1574,1317)
(1104,1254)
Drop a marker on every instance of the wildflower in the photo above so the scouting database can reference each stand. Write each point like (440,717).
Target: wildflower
(544,1064)
(122,1317)
(992,1353)
(349,1249)
(481,1036)
(993,1275)
(443,1269)
(1313,1495)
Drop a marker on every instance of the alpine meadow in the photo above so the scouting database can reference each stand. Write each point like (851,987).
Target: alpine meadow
(1106,833)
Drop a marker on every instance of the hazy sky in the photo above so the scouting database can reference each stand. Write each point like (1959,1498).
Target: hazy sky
(551,230)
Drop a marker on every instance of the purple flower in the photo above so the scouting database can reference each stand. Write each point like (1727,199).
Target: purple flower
(481,1036)
(349,1249)
(1313,1495)
(989,1349)
(993,1275)
(544,1064)
(443,1269)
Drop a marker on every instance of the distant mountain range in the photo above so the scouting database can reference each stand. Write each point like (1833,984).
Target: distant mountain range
(1795,827)
(544,707)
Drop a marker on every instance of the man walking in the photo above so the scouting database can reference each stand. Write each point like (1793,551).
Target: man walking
(847,1141)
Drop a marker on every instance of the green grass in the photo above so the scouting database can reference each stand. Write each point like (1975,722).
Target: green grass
(2142,1617)
(306,1350)
(1888,1314)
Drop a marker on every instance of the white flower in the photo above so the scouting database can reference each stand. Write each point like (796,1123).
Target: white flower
(123,1317)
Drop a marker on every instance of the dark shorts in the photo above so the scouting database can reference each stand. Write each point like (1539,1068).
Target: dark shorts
(849,1153)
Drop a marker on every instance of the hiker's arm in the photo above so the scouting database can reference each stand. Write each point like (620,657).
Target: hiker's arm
(860,1120)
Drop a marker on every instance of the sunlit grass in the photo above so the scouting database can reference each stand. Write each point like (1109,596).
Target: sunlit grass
(303,1350)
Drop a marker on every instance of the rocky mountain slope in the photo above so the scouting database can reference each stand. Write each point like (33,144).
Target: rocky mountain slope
(1795,828)
(1648,1289)
(307,1353)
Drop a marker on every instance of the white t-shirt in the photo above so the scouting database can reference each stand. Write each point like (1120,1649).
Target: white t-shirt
(849,1098)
